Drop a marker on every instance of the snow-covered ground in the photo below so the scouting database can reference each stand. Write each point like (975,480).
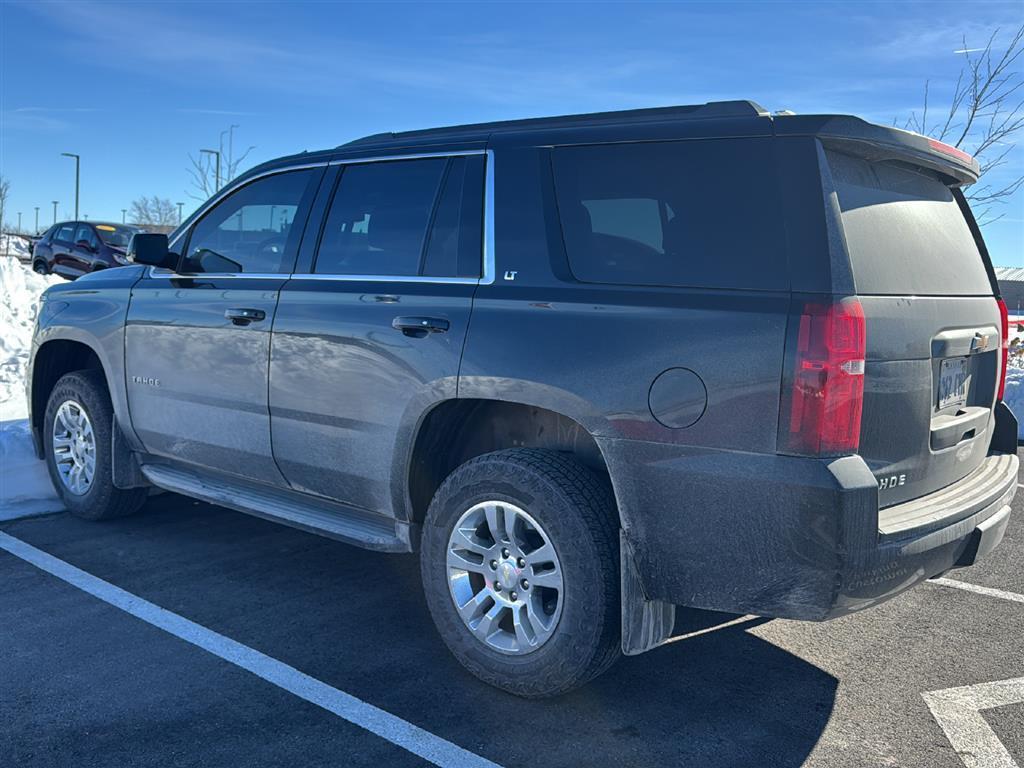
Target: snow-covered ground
(1013,396)
(24,483)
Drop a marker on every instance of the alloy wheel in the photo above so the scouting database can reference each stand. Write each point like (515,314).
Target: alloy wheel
(74,447)
(504,577)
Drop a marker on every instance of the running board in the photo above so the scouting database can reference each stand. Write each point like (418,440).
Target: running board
(309,513)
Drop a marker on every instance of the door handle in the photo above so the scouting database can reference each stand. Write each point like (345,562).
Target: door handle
(418,327)
(244,315)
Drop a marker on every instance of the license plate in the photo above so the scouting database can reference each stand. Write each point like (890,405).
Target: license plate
(954,381)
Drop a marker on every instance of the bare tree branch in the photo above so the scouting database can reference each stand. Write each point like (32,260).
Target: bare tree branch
(202,171)
(5,192)
(985,117)
(153,211)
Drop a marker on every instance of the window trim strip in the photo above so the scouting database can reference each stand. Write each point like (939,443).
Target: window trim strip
(488,274)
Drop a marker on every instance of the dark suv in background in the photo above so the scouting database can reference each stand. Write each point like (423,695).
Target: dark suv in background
(591,367)
(74,248)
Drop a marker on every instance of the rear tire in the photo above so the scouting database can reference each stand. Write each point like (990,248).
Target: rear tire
(77,426)
(547,637)
(39,267)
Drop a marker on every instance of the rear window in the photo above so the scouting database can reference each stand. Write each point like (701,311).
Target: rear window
(904,230)
(683,213)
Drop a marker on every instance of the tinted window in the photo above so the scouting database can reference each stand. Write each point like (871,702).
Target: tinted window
(65,233)
(252,229)
(686,213)
(378,220)
(455,244)
(904,230)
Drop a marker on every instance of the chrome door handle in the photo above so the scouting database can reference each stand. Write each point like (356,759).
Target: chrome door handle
(418,327)
(244,315)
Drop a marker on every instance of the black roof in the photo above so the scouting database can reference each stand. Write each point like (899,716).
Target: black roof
(723,118)
(713,109)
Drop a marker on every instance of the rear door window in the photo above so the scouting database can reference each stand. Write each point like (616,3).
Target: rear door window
(698,213)
(455,243)
(66,233)
(405,218)
(904,230)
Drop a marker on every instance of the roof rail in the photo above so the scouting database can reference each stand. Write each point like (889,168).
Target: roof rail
(713,109)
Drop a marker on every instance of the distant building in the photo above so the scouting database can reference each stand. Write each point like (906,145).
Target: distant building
(1011,287)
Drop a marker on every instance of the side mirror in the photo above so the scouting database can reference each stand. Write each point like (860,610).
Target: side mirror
(151,248)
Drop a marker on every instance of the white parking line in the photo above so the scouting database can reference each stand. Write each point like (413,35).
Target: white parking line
(958,712)
(391,727)
(988,591)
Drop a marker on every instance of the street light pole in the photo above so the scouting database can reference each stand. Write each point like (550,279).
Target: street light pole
(216,154)
(55,211)
(37,219)
(179,212)
(78,161)
(124,213)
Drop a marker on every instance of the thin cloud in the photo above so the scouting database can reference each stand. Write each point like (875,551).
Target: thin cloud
(41,110)
(223,112)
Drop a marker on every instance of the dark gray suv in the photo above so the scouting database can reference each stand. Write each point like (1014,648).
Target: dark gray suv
(591,367)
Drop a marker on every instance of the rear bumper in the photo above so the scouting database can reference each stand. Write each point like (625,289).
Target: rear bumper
(790,537)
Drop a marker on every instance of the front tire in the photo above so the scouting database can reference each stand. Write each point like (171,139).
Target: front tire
(77,443)
(520,566)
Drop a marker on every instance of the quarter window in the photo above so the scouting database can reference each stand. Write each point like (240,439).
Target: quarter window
(254,229)
(700,213)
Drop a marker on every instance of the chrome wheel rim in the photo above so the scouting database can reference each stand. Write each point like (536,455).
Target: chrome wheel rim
(74,447)
(504,577)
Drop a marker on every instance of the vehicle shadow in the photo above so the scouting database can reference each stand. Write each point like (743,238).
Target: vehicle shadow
(716,696)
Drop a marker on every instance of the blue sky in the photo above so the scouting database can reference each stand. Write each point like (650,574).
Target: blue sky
(135,87)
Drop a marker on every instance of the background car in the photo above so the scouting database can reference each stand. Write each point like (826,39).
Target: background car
(73,248)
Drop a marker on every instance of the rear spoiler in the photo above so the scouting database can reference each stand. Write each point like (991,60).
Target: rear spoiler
(879,143)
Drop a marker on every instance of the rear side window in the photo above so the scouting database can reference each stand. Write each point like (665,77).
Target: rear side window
(405,218)
(904,231)
(684,213)
(66,233)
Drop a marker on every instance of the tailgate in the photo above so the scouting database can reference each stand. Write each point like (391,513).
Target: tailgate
(933,327)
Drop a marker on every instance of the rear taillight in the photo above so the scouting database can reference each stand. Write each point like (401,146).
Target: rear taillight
(1004,354)
(826,380)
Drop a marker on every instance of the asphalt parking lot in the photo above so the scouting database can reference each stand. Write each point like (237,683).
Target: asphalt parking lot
(266,620)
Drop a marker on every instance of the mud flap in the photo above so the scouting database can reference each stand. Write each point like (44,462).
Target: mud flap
(124,466)
(646,624)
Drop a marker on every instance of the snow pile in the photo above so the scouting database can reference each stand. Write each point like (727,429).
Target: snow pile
(24,483)
(20,289)
(11,245)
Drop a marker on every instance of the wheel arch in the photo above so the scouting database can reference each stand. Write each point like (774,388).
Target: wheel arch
(456,430)
(53,359)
